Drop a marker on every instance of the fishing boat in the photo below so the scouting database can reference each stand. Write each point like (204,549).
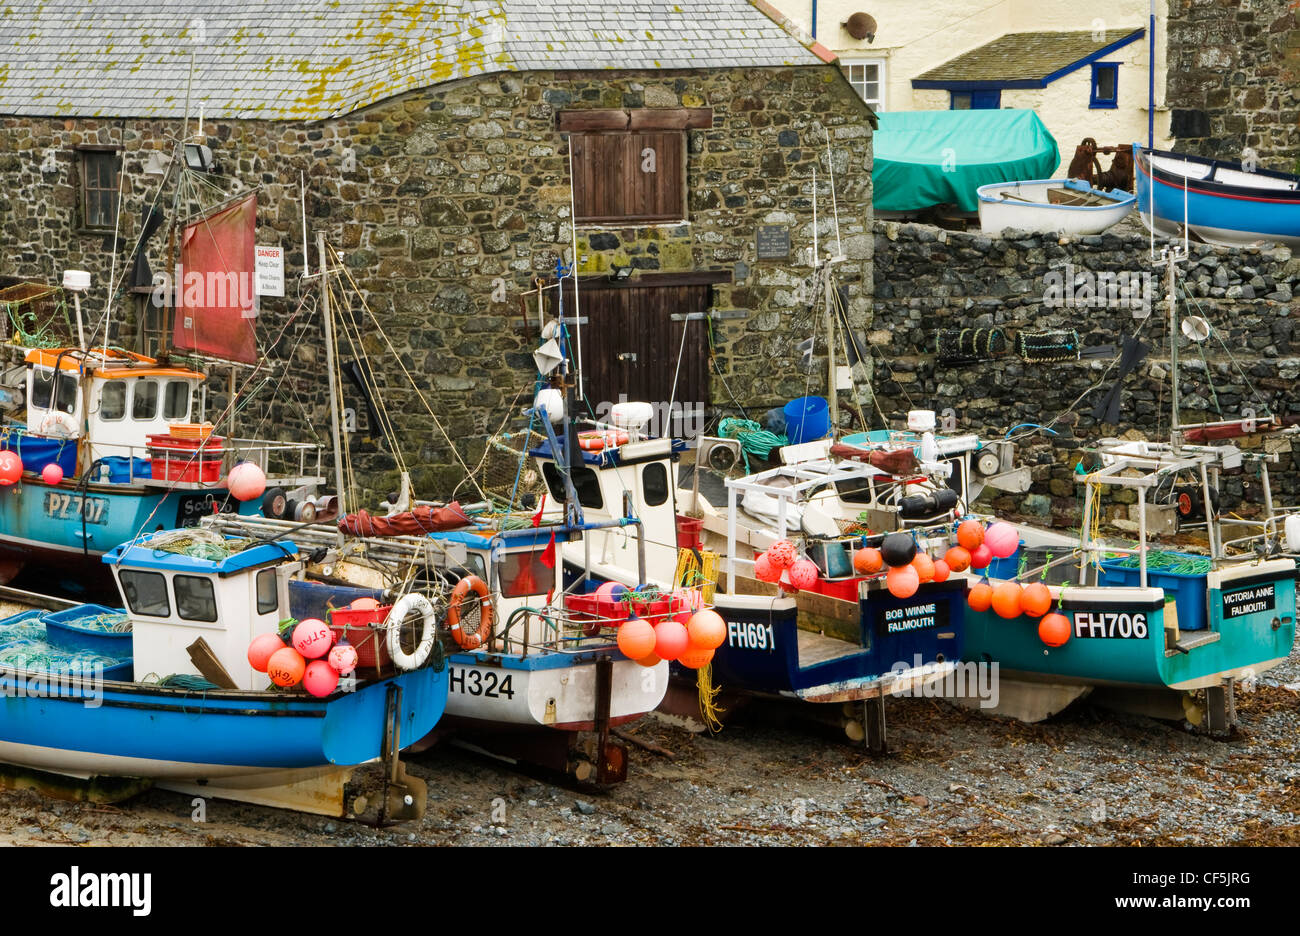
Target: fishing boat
(1044,206)
(110,448)
(1141,625)
(1218,201)
(535,673)
(163,693)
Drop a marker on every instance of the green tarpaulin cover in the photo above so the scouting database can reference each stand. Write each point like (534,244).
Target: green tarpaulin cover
(938,157)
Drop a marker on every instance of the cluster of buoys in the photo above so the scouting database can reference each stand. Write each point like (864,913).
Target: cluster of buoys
(976,547)
(782,565)
(314,659)
(689,636)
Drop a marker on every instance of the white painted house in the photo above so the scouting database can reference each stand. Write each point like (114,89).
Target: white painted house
(1083,68)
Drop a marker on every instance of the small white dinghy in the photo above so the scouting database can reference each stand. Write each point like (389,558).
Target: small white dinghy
(1067,206)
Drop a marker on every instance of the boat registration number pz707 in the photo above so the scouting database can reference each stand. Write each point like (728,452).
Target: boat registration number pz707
(63,506)
(1110,624)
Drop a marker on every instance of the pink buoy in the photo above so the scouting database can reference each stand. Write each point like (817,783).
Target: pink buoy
(363,604)
(312,638)
(610,591)
(781,554)
(246,481)
(261,648)
(804,573)
(981,557)
(52,473)
(11,468)
(342,658)
(764,570)
(1002,539)
(671,640)
(320,679)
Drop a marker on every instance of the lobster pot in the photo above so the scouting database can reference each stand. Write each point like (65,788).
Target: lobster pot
(954,345)
(502,473)
(1048,347)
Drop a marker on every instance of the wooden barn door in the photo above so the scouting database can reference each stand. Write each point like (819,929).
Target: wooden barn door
(631,345)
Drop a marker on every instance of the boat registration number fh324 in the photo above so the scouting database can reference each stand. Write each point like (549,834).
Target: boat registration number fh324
(1110,624)
(62,506)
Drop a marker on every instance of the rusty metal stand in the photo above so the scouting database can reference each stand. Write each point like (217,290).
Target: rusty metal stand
(404,797)
(611,757)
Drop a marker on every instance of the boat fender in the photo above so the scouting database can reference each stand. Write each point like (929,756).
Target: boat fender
(58,424)
(465,640)
(412,601)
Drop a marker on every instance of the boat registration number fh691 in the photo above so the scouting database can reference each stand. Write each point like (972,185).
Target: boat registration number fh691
(63,506)
(479,682)
(749,635)
(1110,624)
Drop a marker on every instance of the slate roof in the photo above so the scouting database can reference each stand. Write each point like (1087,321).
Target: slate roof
(1030,59)
(315,59)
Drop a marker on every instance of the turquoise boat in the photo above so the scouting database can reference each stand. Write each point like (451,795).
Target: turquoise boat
(127,460)
(1159,622)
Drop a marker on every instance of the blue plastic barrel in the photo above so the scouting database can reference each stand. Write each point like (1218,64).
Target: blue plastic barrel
(807,419)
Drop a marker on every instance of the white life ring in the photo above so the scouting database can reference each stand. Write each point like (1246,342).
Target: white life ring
(58,424)
(428,631)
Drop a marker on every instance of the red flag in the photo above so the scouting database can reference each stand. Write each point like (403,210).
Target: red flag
(537,517)
(547,557)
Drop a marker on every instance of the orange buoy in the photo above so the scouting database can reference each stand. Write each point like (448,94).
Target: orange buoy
(286,667)
(707,630)
(868,561)
(1054,630)
(695,658)
(958,558)
(970,535)
(636,638)
(980,597)
(1006,600)
(1036,600)
(924,566)
(941,571)
(903,581)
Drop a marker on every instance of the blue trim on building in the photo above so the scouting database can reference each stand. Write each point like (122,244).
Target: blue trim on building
(1027,83)
(1095,100)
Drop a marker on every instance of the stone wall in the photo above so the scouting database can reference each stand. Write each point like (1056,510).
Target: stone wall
(929,279)
(436,195)
(1234,79)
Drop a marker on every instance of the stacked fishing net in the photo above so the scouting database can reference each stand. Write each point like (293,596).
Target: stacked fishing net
(198,543)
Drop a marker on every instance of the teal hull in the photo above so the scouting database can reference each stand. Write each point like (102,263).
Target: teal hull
(1124,636)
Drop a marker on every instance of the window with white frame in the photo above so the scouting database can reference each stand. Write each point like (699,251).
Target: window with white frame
(868,78)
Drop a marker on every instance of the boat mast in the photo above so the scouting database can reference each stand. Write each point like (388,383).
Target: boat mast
(323,270)
(1175,434)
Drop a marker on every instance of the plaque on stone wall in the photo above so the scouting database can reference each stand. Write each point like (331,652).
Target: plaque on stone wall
(773,242)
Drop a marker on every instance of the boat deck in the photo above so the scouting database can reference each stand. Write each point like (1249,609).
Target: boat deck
(818,648)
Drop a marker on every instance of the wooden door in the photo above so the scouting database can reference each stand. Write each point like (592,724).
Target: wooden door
(631,346)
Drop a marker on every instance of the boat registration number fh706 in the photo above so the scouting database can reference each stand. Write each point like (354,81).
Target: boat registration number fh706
(479,682)
(749,635)
(63,506)
(1110,624)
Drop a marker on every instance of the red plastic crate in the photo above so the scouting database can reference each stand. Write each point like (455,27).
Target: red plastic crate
(371,644)
(195,460)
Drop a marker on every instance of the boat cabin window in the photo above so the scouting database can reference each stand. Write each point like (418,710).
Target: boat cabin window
(195,598)
(523,573)
(112,400)
(43,390)
(585,482)
(145,592)
(654,484)
(176,401)
(267,598)
(144,400)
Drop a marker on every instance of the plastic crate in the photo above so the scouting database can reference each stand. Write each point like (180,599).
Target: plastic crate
(64,630)
(194,460)
(1190,591)
(371,643)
